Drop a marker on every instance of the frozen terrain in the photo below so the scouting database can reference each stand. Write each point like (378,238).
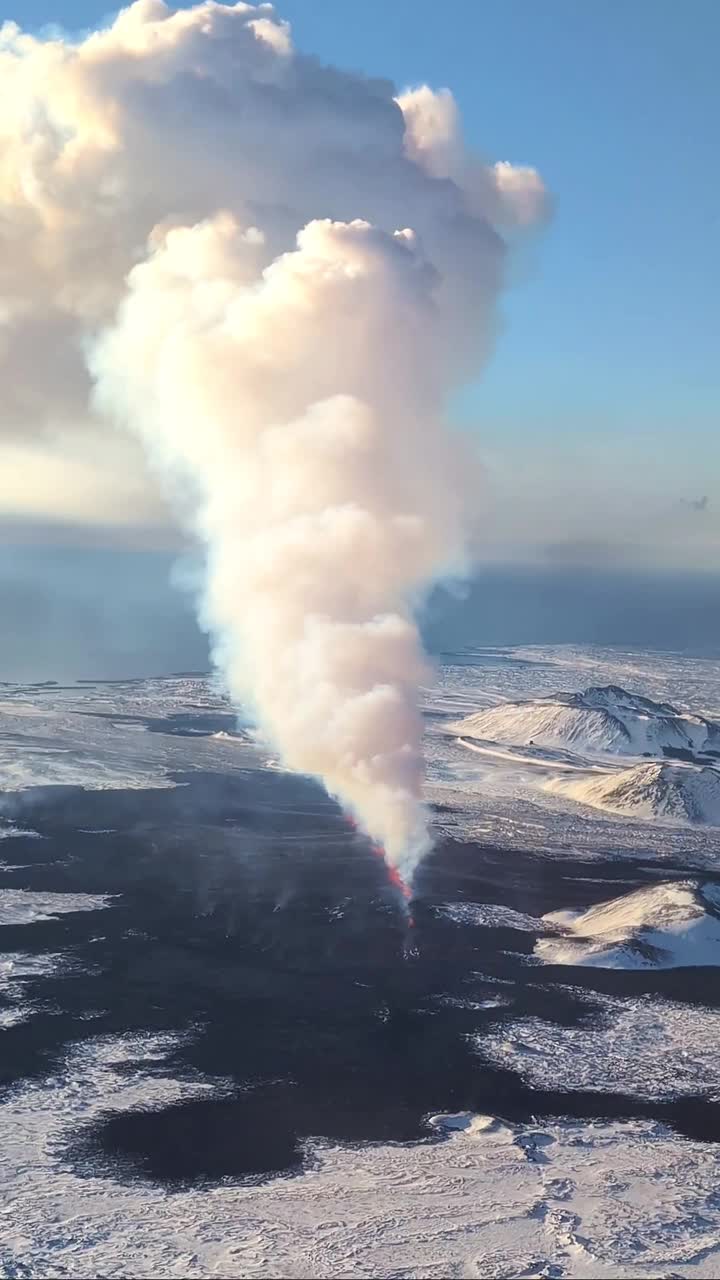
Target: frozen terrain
(597,720)
(646,1048)
(224,1055)
(579,773)
(679,792)
(666,926)
(490,1200)
(17,906)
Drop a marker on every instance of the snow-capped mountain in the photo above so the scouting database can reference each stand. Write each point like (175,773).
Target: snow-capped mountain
(665,926)
(600,719)
(681,792)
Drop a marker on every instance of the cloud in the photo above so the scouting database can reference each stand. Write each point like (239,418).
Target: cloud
(512,196)
(164,118)
(275,272)
(83,479)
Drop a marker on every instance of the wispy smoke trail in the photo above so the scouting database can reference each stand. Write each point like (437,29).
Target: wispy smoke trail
(284,347)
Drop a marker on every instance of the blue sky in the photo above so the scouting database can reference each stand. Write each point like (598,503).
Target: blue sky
(612,330)
(607,364)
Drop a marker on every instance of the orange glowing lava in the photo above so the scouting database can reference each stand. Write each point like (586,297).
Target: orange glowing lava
(393,875)
(395,878)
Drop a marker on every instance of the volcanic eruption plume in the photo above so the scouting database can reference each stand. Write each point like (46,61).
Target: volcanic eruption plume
(274,273)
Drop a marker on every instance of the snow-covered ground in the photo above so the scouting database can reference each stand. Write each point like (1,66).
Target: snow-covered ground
(664,926)
(100,736)
(491,1200)
(18,906)
(676,792)
(579,790)
(644,1047)
(484,914)
(478,1196)
(599,719)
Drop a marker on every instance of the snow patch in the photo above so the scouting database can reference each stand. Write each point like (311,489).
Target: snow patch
(13,1016)
(467,1123)
(23,906)
(476,1006)
(19,967)
(646,1047)
(57,768)
(8,831)
(488,915)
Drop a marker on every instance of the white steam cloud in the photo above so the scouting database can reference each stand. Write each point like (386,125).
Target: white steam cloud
(274,272)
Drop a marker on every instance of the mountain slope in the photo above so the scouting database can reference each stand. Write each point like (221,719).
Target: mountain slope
(598,720)
(681,792)
(665,926)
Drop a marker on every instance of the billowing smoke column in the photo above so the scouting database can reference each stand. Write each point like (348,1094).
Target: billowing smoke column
(300,404)
(274,272)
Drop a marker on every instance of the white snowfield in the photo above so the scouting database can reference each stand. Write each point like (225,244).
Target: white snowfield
(663,926)
(678,792)
(646,1047)
(70,736)
(18,969)
(23,906)
(601,719)
(492,1200)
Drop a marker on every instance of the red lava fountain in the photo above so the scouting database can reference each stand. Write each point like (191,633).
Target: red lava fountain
(395,879)
(393,874)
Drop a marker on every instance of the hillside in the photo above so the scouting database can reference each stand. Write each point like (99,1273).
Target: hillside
(679,792)
(605,719)
(665,926)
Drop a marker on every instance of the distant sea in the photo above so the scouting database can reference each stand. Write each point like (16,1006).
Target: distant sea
(69,612)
